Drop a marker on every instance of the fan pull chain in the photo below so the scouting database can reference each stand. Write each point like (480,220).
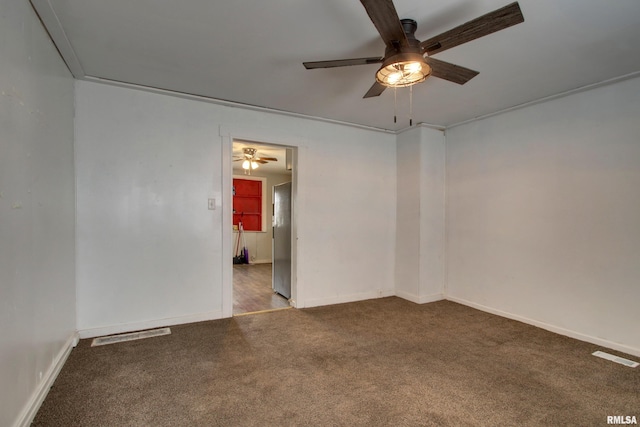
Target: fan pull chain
(411,105)
(395,105)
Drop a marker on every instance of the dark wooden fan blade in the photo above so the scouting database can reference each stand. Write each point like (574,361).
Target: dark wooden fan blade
(262,162)
(342,62)
(375,90)
(486,24)
(451,72)
(385,18)
(270,159)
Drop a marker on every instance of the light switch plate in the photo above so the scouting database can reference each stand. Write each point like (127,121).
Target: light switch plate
(212,204)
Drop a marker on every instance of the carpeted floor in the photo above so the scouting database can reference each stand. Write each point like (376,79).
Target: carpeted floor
(385,362)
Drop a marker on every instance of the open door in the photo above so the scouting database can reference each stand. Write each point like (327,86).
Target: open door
(282,239)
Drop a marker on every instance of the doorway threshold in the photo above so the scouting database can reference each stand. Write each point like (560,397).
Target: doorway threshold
(262,311)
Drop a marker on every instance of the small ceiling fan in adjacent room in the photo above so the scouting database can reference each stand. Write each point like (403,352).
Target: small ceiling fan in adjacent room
(407,60)
(250,159)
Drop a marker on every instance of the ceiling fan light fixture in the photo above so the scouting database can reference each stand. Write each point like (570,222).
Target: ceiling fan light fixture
(403,69)
(250,165)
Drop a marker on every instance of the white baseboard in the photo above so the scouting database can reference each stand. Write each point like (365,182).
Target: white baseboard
(149,324)
(32,406)
(419,299)
(340,299)
(556,329)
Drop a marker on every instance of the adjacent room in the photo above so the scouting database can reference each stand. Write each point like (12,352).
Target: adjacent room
(261,227)
(461,180)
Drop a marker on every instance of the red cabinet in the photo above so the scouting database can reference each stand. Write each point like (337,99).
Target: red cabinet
(247,204)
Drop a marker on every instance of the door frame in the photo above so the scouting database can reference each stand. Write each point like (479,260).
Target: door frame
(227,220)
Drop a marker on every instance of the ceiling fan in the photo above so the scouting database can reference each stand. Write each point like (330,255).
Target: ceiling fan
(250,160)
(407,60)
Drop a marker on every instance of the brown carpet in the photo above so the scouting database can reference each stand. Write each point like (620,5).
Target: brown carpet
(382,362)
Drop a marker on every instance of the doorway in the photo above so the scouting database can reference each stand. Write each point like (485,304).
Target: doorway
(258,168)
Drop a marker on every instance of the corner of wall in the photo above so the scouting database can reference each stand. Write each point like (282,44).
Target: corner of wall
(39,394)
(420,222)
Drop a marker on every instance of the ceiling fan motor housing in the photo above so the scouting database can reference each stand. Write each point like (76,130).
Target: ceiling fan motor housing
(249,152)
(410,26)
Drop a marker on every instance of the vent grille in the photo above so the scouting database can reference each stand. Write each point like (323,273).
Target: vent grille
(112,339)
(620,360)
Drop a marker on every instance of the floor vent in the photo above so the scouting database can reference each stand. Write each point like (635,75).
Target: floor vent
(620,360)
(112,339)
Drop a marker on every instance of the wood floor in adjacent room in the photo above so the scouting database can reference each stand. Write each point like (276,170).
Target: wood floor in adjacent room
(252,290)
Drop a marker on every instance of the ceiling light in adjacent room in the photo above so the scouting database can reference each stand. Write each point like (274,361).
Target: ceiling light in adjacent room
(250,164)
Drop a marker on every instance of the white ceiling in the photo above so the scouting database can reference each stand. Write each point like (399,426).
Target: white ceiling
(251,52)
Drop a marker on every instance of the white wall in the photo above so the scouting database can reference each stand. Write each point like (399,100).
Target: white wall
(420,229)
(148,248)
(149,251)
(37,289)
(544,214)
